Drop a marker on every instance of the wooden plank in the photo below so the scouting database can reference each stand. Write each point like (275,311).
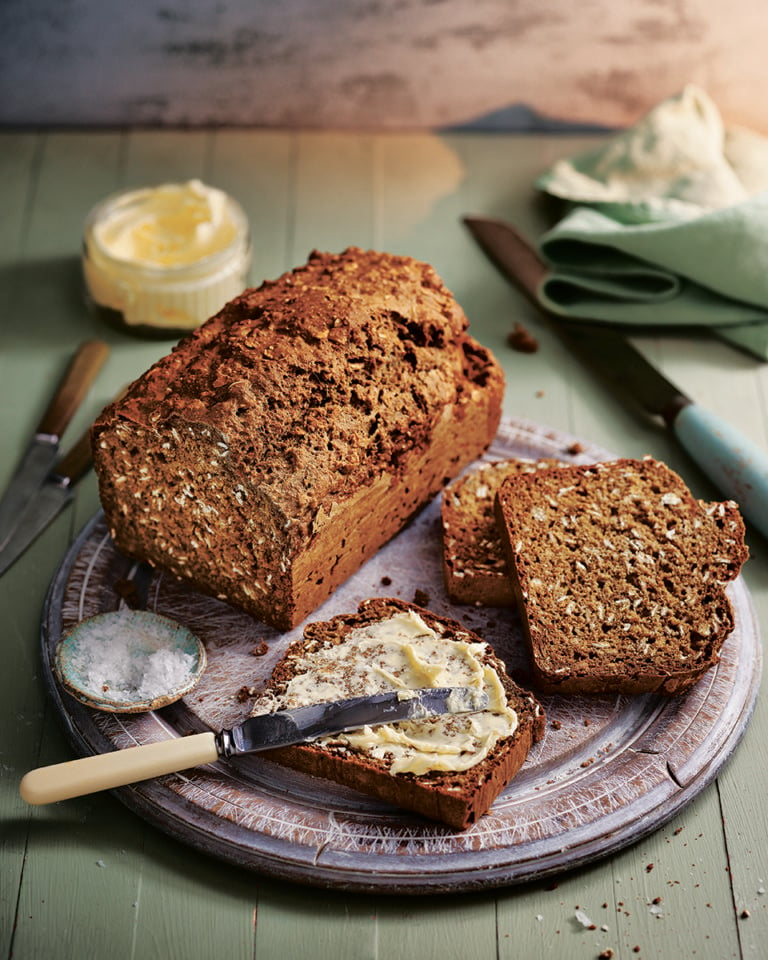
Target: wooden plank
(258,168)
(333,191)
(305,924)
(743,787)
(542,920)
(209,913)
(733,385)
(684,864)
(436,929)
(152,157)
(24,370)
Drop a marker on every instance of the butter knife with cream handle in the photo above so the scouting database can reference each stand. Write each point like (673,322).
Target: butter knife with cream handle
(267,731)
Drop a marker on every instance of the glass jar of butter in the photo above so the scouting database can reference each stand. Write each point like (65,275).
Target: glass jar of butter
(159,261)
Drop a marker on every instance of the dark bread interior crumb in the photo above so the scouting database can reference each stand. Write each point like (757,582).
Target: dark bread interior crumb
(619,574)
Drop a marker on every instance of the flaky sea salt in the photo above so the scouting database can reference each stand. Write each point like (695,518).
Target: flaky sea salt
(130,664)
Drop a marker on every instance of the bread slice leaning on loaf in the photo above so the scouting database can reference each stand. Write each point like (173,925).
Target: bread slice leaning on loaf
(389,644)
(284,442)
(620,575)
(474,563)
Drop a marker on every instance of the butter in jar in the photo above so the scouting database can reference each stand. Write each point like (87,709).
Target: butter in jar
(159,261)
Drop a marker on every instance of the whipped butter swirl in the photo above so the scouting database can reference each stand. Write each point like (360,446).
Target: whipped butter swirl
(168,226)
(403,653)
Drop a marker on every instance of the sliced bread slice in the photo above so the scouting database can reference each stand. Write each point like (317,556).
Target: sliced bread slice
(474,564)
(449,769)
(620,575)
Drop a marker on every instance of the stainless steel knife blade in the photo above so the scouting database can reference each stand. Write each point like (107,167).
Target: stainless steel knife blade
(49,500)
(265,732)
(736,464)
(285,727)
(42,450)
(38,460)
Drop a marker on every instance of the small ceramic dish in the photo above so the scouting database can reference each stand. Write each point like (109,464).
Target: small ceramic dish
(129,661)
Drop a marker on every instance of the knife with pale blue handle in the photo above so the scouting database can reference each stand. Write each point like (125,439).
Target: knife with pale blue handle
(737,465)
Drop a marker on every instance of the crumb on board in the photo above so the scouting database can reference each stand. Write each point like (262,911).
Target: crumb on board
(126,589)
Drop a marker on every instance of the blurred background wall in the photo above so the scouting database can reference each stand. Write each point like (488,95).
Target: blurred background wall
(384,64)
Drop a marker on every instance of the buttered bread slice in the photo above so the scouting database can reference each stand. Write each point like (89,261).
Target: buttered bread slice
(447,768)
(620,575)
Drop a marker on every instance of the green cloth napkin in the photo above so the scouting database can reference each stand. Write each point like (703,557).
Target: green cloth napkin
(669,227)
(709,271)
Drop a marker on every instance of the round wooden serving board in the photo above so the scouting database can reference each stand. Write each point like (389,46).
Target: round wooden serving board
(609,771)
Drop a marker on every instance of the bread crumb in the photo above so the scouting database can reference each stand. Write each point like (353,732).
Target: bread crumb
(421,598)
(127,591)
(260,649)
(522,340)
(605,955)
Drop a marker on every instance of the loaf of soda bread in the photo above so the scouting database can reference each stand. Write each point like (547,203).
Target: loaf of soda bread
(474,564)
(285,441)
(620,575)
(460,764)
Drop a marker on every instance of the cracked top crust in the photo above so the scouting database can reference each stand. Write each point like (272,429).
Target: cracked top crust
(350,381)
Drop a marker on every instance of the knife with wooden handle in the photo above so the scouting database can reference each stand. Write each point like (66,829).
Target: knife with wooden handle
(737,465)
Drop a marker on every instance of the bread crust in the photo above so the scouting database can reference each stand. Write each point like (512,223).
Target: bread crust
(473,558)
(619,576)
(456,799)
(284,442)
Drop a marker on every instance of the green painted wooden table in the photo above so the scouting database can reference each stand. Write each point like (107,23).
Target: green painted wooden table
(89,879)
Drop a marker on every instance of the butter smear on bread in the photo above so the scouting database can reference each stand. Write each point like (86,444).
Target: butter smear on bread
(403,653)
